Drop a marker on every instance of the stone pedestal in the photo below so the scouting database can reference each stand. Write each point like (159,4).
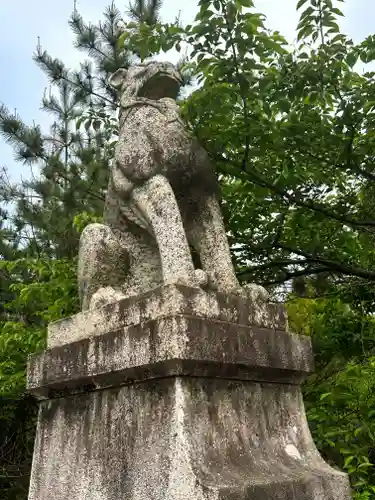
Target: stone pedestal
(176,395)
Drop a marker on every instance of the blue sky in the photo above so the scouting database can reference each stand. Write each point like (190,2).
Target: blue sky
(23,21)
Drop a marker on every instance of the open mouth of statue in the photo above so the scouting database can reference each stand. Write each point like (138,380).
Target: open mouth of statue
(161,85)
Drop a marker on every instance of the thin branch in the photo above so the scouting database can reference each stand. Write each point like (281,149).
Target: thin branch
(332,265)
(274,263)
(296,274)
(295,198)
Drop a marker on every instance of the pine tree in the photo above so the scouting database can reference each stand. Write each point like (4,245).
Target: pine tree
(72,176)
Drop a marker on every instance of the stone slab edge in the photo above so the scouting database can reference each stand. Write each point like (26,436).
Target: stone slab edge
(172,346)
(162,302)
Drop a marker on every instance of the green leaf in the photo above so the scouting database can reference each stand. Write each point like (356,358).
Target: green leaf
(284,105)
(337,11)
(121,39)
(348,461)
(305,32)
(246,3)
(96,124)
(301,3)
(325,395)
(364,465)
(204,15)
(351,59)
(306,14)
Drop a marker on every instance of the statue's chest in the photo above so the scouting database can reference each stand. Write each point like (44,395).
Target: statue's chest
(166,115)
(162,129)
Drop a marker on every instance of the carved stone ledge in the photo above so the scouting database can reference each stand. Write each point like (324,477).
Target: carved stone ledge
(171,346)
(166,301)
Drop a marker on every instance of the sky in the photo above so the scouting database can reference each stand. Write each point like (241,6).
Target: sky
(22,21)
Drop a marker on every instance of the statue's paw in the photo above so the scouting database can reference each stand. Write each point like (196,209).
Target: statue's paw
(105,296)
(206,280)
(256,292)
(252,291)
(201,278)
(198,280)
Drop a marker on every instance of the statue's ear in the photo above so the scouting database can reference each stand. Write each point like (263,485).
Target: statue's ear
(116,79)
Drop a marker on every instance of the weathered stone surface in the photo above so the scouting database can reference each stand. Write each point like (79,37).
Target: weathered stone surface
(170,346)
(161,200)
(176,395)
(181,438)
(166,301)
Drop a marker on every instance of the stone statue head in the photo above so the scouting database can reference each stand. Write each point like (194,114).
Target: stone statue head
(153,80)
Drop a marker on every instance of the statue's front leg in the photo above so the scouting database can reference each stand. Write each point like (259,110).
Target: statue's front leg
(156,201)
(209,238)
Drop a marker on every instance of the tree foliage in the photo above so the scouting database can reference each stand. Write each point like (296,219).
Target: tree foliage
(339,397)
(40,290)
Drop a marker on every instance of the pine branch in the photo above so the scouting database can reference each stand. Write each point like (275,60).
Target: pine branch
(110,30)
(86,36)
(52,105)
(26,141)
(11,127)
(53,68)
(187,74)
(145,11)
(136,9)
(58,74)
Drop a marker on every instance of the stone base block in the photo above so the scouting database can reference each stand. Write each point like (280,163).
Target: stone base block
(176,396)
(181,438)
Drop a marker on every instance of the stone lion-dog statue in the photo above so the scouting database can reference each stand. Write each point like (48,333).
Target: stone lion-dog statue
(162,200)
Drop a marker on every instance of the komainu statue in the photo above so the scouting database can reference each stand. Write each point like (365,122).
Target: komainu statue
(161,201)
